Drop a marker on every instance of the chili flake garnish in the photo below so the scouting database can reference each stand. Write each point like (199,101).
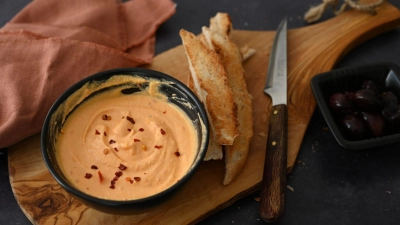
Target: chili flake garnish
(164,112)
(130,119)
(111,142)
(93,167)
(116,149)
(105,134)
(162,131)
(97,132)
(136,140)
(114,179)
(88,175)
(177,153)
(129,130)
(112,184)
(100,176)
(118,174)
(106,117)
(158,146)
(105,151)
(141,129)
(137,179)
(122,167)
(129,179)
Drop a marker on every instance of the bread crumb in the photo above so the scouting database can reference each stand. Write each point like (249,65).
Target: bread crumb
(262,134)
(290,188)
(257,199)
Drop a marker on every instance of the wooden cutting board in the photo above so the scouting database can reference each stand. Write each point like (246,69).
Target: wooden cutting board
(311,50)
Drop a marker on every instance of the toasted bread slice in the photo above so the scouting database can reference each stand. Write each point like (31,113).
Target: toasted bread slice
(236,154)
(214,150)
(210,81)
(221,23)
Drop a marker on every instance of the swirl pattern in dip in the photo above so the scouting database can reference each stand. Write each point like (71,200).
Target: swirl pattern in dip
(126,146)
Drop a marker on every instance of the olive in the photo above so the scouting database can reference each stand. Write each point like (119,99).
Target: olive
(354,126)
(375,123)
(340,103)
(371,85)
(367,100)
(390,105)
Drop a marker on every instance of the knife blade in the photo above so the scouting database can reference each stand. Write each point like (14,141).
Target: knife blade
(272,199)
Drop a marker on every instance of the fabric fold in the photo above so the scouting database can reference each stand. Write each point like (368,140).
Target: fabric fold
(51,44)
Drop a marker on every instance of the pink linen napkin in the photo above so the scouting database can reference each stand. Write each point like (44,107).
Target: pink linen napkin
(51,44)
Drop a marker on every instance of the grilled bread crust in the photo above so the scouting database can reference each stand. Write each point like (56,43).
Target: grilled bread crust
(210,81)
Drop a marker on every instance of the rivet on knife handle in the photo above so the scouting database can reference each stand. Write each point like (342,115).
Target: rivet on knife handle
(272,200)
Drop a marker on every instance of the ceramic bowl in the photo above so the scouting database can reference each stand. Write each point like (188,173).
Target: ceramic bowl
(178,94)
(350,80)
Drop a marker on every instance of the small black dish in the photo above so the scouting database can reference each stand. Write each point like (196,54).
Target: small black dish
(385,74)
(177,93)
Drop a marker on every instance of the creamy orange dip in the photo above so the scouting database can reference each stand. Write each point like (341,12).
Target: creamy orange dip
(126,146)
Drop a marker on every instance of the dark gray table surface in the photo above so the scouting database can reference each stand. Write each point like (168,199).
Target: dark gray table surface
(331,185)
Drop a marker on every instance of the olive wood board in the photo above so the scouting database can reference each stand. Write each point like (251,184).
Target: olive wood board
(311,50)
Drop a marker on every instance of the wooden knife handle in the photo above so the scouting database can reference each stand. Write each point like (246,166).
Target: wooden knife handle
(272,200)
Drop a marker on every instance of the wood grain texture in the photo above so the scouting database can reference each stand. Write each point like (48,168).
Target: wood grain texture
(311,50)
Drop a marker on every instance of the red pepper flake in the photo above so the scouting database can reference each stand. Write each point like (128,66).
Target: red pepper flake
(114,179)
(97,132)
(141,129)
(137,179)
(112,184)
(93,167)
(118,174)
(88,175)
(177,153)
(105,134)
(100,176)
(105,117)
(122,167)
(129,130)
(158,146)
(130,119)
(136,140)
(105,151)
(129,179)
(162,131)
(116,149)
(164,112)
(111,142)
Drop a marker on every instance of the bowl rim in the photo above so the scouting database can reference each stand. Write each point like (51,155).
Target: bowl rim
(104,75)
(327,114)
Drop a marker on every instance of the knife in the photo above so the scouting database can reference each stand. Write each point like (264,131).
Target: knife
(272,199)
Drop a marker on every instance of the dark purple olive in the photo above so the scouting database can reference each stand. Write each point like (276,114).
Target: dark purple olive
(390,104)
(394,119)
(367,100)
(354,126)
(351,95)
(375,123)
(371,85)
(340,103)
